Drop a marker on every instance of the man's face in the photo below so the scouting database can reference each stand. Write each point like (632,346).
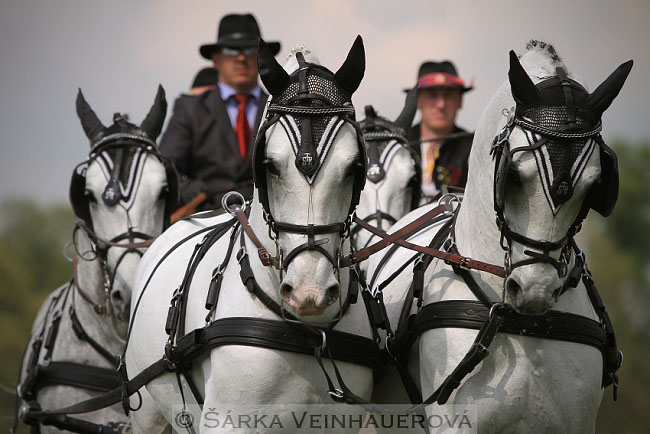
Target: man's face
(237,67)
(439,106)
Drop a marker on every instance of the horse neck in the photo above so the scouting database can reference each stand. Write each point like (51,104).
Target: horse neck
(90,280)
(477,235)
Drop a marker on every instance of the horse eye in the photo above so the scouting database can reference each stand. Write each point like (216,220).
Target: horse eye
(163,193)
(271,167)
(90,197)
(513,176)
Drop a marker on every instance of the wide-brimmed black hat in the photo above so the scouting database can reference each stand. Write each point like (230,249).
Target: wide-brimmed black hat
(441,74)
(237,31)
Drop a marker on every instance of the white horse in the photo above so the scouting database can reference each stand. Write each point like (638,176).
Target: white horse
(393,178)
(308,173)
(547,127)
(122,196)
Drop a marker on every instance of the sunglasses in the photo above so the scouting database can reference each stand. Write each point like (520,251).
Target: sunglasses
(248,51)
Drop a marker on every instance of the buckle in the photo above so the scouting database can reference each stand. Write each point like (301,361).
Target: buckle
(483,350)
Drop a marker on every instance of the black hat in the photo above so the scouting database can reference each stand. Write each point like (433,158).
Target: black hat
(206,77)
(441,74)
(237,31)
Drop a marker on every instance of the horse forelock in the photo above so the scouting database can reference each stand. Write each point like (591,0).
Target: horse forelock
(541,59)
(291,64)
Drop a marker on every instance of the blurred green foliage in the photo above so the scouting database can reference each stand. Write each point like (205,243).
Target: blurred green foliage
(32,265)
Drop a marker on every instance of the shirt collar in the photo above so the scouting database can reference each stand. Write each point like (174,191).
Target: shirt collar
(227,91)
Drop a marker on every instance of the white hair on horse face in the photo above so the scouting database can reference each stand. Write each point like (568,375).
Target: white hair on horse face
(292,63)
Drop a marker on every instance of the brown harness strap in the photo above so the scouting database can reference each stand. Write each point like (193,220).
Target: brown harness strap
(363,254)
(396,238)
(265,257)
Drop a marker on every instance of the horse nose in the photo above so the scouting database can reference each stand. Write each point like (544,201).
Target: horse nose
(308,299)
(529,289)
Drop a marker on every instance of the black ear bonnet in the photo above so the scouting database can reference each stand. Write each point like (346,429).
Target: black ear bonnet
(382,138)
(121,149)
(311,104)
(563,126)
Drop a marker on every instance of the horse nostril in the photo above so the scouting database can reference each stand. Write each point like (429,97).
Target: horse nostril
(332,294)
(117,296)
(512,287)
(285,291)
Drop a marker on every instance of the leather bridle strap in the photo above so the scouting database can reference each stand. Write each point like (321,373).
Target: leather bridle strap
(395,237)
(98,308)
(363,254)
(115,241)
(264,255)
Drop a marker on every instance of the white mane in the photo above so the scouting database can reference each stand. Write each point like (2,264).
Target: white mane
(540,61)
(292,63)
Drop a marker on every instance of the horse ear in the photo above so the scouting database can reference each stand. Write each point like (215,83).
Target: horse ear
(153,123)
(602,97)
(523,89)
(405,119)
(351,72)
(89,120)
(274,77)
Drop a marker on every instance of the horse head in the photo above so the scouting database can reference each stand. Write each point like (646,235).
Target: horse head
(122,196)
(549,167)
(309,169)
(394,174)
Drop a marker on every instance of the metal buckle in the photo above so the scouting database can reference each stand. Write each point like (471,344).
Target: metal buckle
(228,195)
(482,348)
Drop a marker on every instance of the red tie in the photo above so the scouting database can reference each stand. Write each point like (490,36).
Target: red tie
(242,129)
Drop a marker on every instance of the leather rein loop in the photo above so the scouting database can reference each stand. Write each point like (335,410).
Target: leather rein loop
(396,238)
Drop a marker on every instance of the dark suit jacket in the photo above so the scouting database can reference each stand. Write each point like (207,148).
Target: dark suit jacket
(452,166)
(202,144)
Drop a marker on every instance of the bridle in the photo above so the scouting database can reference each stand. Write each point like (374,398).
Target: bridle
(383,140)
(135,240)
(309,104)
(539,135)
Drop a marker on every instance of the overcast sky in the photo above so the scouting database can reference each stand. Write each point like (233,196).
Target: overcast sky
(119,51)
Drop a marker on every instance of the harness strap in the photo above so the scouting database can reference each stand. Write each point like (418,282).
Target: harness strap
(64,422)
(113,243)
(363,254)
(256,332)
(83,336)
(263,254)
(75,375)
(395,237)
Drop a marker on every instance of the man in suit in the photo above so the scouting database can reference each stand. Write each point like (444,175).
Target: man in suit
(442,145)
(210,135)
